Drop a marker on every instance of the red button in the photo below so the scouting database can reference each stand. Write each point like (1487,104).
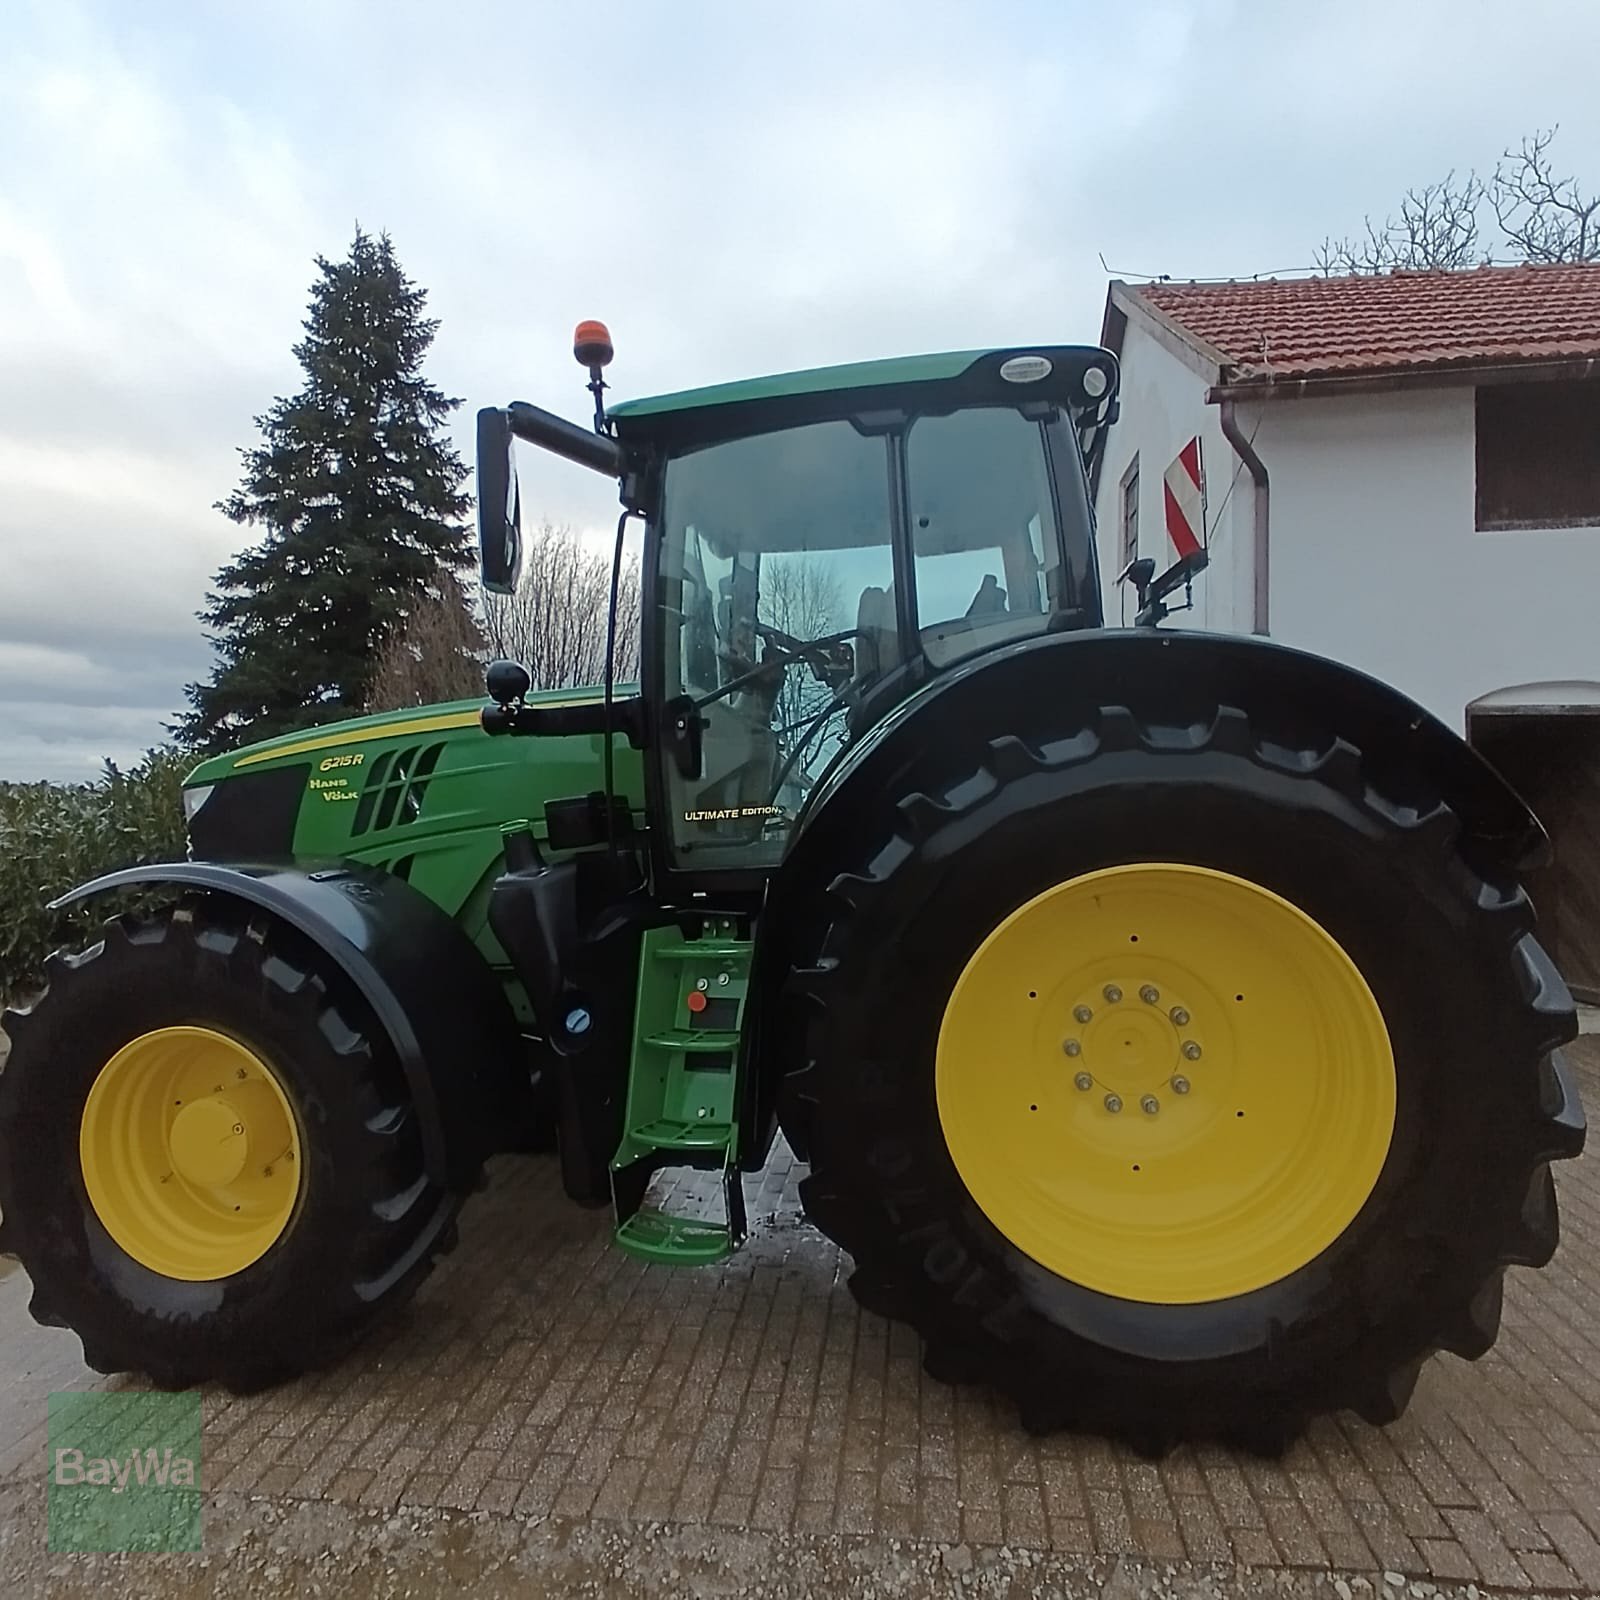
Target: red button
(697,1001)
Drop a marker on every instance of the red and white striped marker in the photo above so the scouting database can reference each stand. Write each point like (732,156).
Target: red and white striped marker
(1184,495)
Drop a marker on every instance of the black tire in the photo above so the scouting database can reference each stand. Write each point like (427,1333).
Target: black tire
(368,1222)
(1473,1006)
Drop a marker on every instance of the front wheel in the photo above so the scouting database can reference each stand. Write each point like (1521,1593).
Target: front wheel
(1180,1082)
(210,1166)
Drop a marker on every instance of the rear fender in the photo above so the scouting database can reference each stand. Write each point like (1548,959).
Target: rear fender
(443,1009)
(1055,686)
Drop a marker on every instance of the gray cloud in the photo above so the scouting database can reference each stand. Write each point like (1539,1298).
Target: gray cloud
(734,188)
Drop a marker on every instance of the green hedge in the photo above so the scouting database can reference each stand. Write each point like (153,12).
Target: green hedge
(53,836)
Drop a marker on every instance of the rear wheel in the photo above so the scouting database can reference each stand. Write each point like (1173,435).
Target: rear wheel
(1179,1081)
(209,1163)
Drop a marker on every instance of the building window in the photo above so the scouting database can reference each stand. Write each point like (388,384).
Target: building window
(1130,514)
(1538,453)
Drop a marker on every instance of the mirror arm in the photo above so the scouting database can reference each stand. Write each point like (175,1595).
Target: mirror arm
(599,452)
(1153,593)
(563,721)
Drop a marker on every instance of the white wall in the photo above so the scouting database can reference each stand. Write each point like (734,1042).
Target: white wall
(1374,559)
(1163,407)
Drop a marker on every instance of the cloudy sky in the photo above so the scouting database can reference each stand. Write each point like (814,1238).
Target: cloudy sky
(734,188)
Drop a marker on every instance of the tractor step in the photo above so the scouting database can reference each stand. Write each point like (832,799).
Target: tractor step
(681,1087)
(689,1238)
(674,1135)
(680,1108)
(650,1235)
(704,1041)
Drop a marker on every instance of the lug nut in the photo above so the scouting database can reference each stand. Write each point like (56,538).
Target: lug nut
(1180,1016)
(1191,1051)
(1180,1084)
(1112,993)
(1150,994)
(1082,1013)
(1084,1081)
(1072,1047)
(1149,1105)
(1113,1102)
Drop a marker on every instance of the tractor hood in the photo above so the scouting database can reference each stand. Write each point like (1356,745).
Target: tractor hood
(336,737)
(398,789)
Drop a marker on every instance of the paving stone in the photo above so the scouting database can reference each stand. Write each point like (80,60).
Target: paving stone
(1479,1537)
(1578,1547)
(1444,1558)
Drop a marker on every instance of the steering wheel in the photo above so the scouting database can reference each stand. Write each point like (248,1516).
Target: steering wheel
(784,641)
(796,650)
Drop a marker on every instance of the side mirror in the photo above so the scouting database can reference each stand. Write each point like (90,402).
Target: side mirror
(1138,572)
(499,505)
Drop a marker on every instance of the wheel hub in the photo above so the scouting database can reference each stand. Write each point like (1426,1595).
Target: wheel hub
(208,1142)
(1132,1046)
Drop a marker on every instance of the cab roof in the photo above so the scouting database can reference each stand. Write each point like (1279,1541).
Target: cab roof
(892,373)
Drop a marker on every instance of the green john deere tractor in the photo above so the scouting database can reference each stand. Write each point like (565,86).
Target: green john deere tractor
(1160,1014)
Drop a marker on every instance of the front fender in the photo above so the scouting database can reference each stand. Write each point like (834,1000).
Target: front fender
(438,1001)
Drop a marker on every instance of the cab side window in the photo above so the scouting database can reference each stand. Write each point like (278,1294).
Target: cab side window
(982,528)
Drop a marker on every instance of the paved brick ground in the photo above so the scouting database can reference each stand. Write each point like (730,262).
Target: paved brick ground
(542,1373)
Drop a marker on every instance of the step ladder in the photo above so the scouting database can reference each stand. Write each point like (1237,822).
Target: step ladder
(681,1089)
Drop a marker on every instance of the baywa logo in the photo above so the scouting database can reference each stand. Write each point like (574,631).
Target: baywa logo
(124,1472)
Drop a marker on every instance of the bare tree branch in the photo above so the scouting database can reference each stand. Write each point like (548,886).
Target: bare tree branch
(1437,227)
(436,653)
(555,624)
(1545,217)
(1542,216)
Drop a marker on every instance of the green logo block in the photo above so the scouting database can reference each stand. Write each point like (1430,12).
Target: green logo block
(124,1472)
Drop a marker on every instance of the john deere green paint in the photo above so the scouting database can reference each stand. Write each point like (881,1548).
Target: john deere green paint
(1070,959)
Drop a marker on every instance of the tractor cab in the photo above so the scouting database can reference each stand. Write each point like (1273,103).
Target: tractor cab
(819,547)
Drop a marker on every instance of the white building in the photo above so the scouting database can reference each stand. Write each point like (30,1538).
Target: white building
(1401,472)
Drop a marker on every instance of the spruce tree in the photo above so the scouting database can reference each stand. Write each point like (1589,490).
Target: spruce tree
(359,494)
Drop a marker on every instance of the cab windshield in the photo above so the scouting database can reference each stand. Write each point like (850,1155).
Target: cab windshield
(805,572)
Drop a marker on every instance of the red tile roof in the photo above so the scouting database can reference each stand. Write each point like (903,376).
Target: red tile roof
(1401,322)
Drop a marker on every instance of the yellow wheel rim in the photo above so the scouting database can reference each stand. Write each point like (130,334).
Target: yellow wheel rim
(1165,1083)
(191,1153)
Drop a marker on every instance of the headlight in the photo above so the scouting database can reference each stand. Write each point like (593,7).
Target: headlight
(193,799)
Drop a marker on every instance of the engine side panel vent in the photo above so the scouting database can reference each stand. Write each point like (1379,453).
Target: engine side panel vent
(395,789)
